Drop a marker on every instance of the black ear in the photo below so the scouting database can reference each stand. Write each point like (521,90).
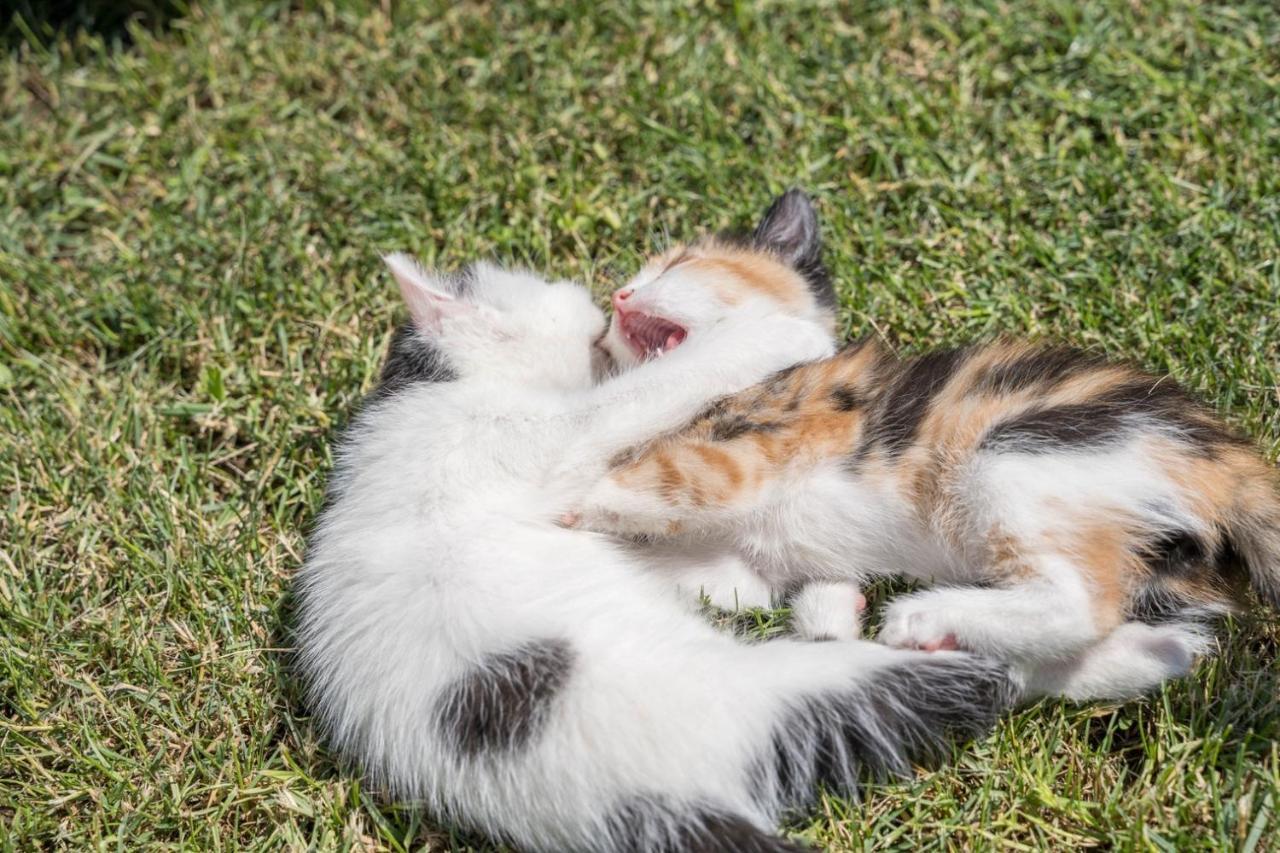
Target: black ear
(789,229)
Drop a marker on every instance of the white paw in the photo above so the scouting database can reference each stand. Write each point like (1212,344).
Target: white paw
(1176,647)
(919,623)
(828,611)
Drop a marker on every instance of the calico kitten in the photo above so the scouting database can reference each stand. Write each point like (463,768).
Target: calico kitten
(1084,515)
(778,268)
(535,683)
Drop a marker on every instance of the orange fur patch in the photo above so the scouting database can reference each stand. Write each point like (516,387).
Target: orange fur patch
(753,271)
(1105,553)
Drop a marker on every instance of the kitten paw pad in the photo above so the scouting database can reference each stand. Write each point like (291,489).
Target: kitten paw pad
(913,628)
(946,644)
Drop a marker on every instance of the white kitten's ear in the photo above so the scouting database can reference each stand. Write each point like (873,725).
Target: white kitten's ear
(423,292)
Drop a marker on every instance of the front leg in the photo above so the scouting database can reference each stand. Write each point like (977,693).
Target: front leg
(665,393)
(611,507)
(681,484)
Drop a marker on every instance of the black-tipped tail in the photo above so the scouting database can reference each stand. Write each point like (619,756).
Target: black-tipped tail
(902,716)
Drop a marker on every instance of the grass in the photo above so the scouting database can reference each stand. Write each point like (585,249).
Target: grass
(190,305)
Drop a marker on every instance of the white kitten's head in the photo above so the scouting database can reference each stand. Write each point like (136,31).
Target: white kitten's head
(778,268)
(509,324)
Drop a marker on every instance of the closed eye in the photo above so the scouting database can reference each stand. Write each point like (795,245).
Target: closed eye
(684,255)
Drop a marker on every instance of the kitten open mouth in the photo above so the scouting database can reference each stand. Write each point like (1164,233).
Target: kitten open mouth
(648,335)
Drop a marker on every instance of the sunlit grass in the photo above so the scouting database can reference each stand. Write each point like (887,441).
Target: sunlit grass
(190,306)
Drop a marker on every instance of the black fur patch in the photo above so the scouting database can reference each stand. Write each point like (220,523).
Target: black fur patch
(789,229)
(901,407)
(1163,401)
(846,398)
(649,826)
(1176,554)
(904,715)
(412,359)
(1043,430)
(503,702)
(729,427)
(1212,568)
(1043,367)
(1155,604)
(1112,417)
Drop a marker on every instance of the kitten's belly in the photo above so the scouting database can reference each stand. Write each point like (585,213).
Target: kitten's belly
(837,528)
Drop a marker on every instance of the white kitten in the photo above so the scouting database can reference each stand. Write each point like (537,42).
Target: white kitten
(534,682)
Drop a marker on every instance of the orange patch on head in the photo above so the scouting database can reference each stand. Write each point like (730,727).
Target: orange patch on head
(673,258)
(752,272)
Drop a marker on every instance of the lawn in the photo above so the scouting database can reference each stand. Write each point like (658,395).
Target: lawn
(191,306)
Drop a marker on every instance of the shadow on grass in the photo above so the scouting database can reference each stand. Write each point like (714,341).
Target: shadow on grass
(43,20)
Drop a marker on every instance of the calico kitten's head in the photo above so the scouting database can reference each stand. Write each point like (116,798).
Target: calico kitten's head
(508,324)
(778,267)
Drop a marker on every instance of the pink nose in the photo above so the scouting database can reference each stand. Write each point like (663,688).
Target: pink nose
(621,296)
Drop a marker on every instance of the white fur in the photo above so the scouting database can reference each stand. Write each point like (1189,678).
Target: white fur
(701,570)
(441,547)
(1132,659)
(823,610)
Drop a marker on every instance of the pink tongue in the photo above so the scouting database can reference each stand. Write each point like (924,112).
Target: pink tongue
(673,341)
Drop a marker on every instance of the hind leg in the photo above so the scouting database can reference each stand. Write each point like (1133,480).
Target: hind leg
(1054,592)
(1045,606)
(1133,659)
(1033,621)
